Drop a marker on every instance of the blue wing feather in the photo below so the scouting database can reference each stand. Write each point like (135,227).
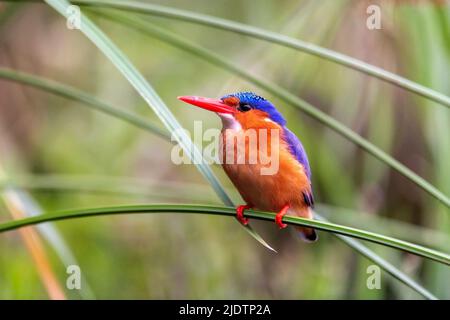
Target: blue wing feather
(297,150)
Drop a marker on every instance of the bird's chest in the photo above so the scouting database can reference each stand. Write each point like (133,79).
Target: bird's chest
(264,172)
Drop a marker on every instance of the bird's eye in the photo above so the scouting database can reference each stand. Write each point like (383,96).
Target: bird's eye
(243,107)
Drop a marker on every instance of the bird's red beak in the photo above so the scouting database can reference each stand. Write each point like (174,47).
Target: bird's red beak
(215,105)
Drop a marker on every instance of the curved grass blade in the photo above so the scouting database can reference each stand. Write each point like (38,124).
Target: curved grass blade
(283,94)
(50,233)
(134,77)
(399,229)
(230,211)
(74,94)
(273,37)
(125,187)
(33,244)
(386,266)
(168,191)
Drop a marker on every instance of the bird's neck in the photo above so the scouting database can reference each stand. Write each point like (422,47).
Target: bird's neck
(229,122)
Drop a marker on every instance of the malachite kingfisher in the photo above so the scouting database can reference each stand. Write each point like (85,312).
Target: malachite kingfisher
(289,189)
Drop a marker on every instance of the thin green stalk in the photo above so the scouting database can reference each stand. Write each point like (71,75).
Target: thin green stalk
(137,80)
(118,186)
(26,202)
(196,192)
(49,232)
(74,94)
(382,263)
(230,211)
(283,94)
(86,99)
(399,229)
(273,37)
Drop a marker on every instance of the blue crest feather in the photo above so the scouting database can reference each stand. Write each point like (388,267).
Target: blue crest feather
(258,102)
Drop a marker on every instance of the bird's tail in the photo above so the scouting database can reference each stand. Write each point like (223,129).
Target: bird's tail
(307,234)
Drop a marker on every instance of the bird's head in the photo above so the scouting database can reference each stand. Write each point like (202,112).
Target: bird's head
(243,109)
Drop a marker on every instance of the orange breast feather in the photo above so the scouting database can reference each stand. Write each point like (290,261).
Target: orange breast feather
(264,192)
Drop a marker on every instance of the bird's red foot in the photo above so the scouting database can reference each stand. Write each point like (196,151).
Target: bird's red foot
(279,217)
(240,213)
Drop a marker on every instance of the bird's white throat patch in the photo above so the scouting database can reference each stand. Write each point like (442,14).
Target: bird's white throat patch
(229,122)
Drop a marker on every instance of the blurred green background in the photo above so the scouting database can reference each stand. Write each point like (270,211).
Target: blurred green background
(197,256)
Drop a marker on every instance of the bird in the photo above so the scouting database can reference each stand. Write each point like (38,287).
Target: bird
(286,191)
